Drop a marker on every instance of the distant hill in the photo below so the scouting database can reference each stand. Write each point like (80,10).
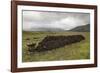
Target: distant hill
(46,29)
(83,28)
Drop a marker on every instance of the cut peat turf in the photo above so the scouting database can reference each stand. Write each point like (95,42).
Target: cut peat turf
(54,42)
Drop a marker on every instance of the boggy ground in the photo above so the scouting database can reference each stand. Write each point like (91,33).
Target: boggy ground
(75,51)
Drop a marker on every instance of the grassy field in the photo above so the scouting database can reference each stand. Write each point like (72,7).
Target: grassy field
(76,51)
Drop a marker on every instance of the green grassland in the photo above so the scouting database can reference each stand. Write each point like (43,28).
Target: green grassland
(76,51)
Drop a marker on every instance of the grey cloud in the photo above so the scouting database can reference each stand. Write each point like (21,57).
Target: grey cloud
(63,20)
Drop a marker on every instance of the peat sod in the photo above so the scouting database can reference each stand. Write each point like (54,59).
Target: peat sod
(54,42)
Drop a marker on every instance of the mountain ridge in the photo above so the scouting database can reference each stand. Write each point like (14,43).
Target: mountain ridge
(83,28)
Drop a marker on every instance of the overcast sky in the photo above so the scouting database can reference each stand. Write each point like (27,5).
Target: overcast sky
(61,20)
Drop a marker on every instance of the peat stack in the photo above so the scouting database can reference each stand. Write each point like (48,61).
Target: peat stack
(53,42)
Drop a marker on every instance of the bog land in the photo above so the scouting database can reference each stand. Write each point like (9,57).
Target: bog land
(75,51)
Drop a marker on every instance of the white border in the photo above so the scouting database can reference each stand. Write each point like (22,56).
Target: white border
(52,63)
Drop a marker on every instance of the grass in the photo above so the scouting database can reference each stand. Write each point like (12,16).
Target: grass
(76,51)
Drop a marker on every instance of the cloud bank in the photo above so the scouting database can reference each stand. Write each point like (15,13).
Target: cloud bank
(33,20)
